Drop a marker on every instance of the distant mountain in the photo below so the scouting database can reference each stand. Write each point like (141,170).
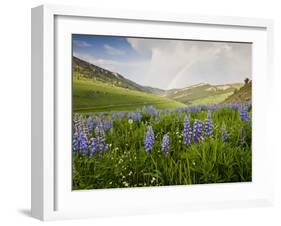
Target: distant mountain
(153,90)
(242,95)
(202,93)
(83,69)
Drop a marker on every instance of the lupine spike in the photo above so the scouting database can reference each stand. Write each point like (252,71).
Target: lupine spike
(93,148)
(244,114)
(200,129)
(209,126)
(186,131)
(165,144)
(149,139)
(195,125)
(91,124)
(135,116)
(107,125)
(83,143)
(197,131)
(75,142)
(150,110)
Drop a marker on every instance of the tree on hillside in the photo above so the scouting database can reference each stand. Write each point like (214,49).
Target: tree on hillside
(246,80)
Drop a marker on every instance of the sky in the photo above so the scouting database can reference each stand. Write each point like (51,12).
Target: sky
(167,64)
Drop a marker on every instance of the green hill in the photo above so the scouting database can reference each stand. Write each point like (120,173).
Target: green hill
(202,93)
(83,69)
(95,96)
(98,89)
(242,95)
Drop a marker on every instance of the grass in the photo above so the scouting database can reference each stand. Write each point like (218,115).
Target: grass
(93,96)
(127,164)
(203,94)
(213,99)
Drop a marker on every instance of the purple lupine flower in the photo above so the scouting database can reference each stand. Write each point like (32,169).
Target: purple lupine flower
(91,124)
(195,108)
(186,131)
(209,126)
(244,114)
(83,143)
(234,106)
(149,139)
(93,147)
(150,110)
(107,125)
(106,147)
(135,116)
(200,129)
(224,134)
(165,144)
(118,115)
(195,125)
(77,121)
(197,130)
(100,137)
(99,130)
(101,143)
(75,142)
(98,143)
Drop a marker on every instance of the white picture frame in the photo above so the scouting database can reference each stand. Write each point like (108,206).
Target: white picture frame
(52,197)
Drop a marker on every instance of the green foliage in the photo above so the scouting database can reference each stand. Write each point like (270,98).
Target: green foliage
(93,96)
(127,164)
(203,93)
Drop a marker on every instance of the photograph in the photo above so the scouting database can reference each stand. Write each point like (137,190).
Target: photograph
(152,112)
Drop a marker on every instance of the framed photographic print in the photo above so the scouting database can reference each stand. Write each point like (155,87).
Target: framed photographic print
(138,113)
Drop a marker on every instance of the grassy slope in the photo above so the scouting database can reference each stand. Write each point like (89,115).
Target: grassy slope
(204,94)
(83,69)
(213,99)
(242,95)
(95,96)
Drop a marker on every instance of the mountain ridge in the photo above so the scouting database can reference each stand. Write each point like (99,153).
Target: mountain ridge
(241,95)
(88,70)
(203,93)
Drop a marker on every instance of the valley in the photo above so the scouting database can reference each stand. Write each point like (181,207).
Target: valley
(96,89)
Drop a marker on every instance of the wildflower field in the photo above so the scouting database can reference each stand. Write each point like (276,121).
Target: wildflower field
(152,147)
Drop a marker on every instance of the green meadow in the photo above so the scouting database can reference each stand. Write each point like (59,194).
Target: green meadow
(95,96)
(127,163)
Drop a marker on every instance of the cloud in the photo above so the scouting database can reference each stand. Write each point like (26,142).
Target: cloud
(81,44)
(168,64)
(113,51)
(176,64)
(106,64)
(133,70)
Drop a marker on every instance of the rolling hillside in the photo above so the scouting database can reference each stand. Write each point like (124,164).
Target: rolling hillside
(202,93)
(242,95)
(95,96)
(83,69)
(98,89)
